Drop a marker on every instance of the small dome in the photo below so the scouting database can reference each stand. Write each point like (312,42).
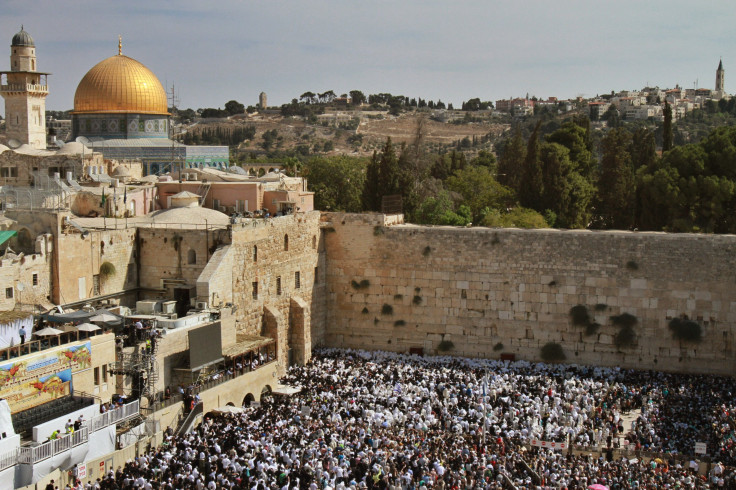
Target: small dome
(195,216)
(120,171)
(22,39)
(73,148)
(120,85)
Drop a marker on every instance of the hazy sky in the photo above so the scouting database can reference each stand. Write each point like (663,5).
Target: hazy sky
(215,51)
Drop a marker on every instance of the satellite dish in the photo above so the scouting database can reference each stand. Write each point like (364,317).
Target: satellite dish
(20,286)
(13,143)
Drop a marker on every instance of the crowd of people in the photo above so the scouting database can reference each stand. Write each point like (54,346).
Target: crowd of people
(390,421)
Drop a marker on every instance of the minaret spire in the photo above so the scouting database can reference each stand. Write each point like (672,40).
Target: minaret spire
(120,45)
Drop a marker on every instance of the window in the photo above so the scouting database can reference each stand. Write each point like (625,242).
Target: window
(286,243)
(35,279)
(255,253)
(316,275)
(97,376)
(297,280)
(216,204)
(314,241)
(278,285)
(9,293)
(104,373)
(9,172)
(96,285)
(255,289)
(191,257)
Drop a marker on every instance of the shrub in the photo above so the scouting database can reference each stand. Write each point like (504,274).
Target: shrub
(445,346)
(427,250)
(387,309)
(107,269)
(624,320)
(378,230)
(399,323)
(625,337)
(398,297)
(685,329)
(601,307)
(365,310)
(360,285)
(579,315)
(417,300)
(498,347)
(591,328)
(552,352)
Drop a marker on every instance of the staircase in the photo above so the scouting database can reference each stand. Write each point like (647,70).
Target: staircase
(204,188)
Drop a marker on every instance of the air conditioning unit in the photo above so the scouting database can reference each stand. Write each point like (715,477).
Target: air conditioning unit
(168,307)
(201,305)
(191,176)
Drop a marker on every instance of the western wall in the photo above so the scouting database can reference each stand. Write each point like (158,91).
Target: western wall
(488,292)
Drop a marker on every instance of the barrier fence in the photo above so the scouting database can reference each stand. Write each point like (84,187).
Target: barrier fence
(32,454)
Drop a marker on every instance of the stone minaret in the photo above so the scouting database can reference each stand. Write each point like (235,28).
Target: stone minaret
(24,90)
(720,77)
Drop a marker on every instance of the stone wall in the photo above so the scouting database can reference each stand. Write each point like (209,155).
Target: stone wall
(79,260)
(271,253)
(494,291)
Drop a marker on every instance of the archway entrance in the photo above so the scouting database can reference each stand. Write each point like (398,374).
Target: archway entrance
(249,398)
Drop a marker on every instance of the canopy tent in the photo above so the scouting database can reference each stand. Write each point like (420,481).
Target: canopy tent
(10,324)
(6,235)
(87,327)
(81,316)
(48,331)
(286,390)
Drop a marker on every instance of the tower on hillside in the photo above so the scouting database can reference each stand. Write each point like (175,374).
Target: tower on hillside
(262,101)
(720,77)
(24,90)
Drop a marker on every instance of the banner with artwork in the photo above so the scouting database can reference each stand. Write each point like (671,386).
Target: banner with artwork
(43,378)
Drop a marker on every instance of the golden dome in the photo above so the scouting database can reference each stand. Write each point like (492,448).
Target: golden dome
(120,85)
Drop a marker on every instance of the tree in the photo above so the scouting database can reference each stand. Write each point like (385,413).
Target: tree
(667,128)
(357,97)
(327,97)
(337,182)
(531,184)
(308,97)
(233,107)
(616,186)
(518,217)
(370,188)
(480,191)
(511,162)
(438,210)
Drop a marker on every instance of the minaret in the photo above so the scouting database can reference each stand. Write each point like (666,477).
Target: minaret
(720,76)
(24,90)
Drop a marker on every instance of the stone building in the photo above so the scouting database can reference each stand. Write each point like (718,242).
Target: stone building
(24,90)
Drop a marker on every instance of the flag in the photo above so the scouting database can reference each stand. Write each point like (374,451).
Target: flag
(103,195)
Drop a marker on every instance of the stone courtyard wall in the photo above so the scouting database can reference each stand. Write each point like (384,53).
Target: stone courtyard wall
(495,291)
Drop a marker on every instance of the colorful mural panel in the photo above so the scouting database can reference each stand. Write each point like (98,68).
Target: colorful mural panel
(45,377)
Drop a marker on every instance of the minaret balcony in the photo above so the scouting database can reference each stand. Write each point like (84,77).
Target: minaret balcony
(25,87)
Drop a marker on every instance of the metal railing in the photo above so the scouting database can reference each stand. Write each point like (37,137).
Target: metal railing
(34,454)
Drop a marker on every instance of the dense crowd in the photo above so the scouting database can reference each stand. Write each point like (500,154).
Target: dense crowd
(388,421)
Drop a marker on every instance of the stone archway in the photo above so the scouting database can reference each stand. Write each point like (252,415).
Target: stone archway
(248,399)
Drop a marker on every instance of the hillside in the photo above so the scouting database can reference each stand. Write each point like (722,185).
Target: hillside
(351,132)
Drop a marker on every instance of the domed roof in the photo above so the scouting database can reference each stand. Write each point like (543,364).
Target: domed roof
(120,171)
(193,216)
(73,148)
(120,84)
(22,39)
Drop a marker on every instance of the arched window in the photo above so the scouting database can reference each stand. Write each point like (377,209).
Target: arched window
(286,243)
(255,253)
(191,257)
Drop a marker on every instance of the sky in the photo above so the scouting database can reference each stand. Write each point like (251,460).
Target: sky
(221,50)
